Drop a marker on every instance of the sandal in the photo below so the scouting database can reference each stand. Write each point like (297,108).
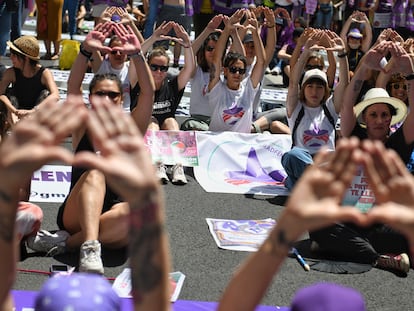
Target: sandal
(54,57)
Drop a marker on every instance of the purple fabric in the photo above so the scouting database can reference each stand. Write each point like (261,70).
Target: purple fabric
(229,7)
(399,13)
(327,297)
(26,299)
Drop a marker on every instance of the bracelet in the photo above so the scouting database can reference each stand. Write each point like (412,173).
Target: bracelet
(271,26)
(342,55)
(271,244)
(409,77)
(84,52)
(137,54)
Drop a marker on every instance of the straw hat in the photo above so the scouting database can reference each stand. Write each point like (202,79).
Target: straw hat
(27,46)
(377,96)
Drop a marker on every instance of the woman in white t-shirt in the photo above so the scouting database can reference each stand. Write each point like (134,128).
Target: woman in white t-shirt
(312,113)
(232,99)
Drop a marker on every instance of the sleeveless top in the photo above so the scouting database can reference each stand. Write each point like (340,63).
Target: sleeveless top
(27,90)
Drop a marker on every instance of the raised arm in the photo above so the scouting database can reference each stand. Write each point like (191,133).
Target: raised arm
(271,36)
(212,26)
(367,39)
(189,62)
(403,63)
(336,44)
(293,89)
(33,142)
(313,204)
(160,33)
(93,41)
(258,69)
(132,47)
(309,32)
(216,67)
(128,169)
(370,61)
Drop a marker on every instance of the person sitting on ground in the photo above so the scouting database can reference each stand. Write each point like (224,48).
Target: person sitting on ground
(203,48)
(371,119)
(357,43)
(93,213)
(232,99)
(30,82)
(274,120)
(314,204)
(312,111)
(168,90)
(116,62)
(126,164)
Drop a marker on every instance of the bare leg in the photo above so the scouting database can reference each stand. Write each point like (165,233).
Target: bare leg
(170,124)
(84,207)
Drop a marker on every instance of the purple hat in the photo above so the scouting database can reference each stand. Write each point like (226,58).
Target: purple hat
(355,33)
(328,297)
(77,291)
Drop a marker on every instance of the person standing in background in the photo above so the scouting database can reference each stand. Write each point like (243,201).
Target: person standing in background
(72,7)
(49,26)
(203,14)
(5,25)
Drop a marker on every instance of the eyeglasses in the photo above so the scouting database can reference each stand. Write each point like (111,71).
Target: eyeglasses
(396,86)
(210,48)
(161,68)
(309,67)
(241,71)
(110,94)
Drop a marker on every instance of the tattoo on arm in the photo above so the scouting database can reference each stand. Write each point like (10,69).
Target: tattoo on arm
(358,85)
(145,235)
(7,218)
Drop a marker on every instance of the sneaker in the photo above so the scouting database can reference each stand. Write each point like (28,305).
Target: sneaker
(276,71)
(178,176)
(162,173)
(90,257)
(267,70)
(50,243)
(399,262)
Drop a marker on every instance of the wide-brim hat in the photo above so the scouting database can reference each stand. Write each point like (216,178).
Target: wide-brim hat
(326,296)
(27,46)
(314,74)
(378,95)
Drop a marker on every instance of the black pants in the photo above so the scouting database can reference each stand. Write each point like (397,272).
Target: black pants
(356,244)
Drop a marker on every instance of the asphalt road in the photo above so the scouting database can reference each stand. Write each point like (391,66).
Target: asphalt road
(208,268)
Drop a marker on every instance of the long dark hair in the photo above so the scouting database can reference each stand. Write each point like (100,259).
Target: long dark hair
(201,56)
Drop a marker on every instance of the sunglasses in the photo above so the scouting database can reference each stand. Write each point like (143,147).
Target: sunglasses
(241,71)
(396,86)
(210,48)
(161,68)
(116,52)
(310,67)
(110,94)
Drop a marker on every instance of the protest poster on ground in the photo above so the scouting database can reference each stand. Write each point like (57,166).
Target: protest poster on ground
(171,147)
(232,162)
(240,235)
